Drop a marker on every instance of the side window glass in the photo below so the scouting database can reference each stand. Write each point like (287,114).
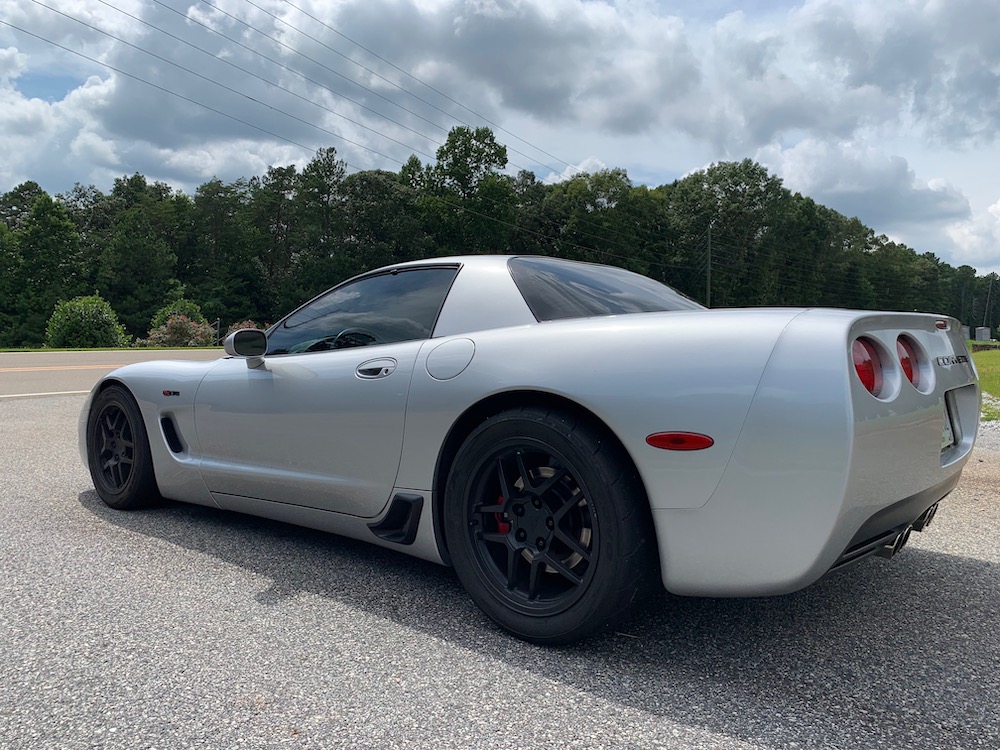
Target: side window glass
(382,309)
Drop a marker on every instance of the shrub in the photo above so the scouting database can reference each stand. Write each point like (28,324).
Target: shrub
(85,322)
(245,324)
(181,306)
(180,330)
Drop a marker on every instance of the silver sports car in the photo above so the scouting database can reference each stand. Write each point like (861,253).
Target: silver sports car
(559,433)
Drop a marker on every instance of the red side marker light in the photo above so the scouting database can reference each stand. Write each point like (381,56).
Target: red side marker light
(680,441)
(941,325)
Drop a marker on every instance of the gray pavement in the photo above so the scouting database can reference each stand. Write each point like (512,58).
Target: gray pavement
(70,372)
(184,627)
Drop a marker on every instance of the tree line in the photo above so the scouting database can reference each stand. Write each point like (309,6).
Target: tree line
(728,235)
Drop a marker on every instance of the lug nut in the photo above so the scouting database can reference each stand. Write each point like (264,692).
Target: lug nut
(540,543)
(521,535)
(550,523)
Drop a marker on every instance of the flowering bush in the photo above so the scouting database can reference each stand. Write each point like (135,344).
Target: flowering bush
(244,324)
(180,330)
(180,306)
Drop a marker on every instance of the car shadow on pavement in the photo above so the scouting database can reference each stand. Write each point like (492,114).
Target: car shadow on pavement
(884,654)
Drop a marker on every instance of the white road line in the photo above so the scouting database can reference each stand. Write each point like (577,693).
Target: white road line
(51,393)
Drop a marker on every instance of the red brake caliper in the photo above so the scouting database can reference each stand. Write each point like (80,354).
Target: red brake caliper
(502,526)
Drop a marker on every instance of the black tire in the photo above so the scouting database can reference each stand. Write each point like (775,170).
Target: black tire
(548,526)
(118,451)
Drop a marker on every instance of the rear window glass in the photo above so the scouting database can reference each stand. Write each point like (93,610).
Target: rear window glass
(560,289)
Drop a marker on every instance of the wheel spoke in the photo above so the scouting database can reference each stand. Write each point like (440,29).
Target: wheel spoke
(505,492)
(551,482)
(522,471)
(513,556)
(567,506)
(561,568)
(533,576)
(492,537)
(573,544)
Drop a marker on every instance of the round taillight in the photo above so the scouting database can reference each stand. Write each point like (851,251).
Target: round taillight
(907,354)
(868,365)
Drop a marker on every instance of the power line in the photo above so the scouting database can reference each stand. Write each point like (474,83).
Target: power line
(221,85)
(317,62)
(280,65)
(363,67)
(429,86)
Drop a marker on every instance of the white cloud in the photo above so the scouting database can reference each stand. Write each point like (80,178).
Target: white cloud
(589,165)
(978,240)
(93,149)
(860,180)
(12,63)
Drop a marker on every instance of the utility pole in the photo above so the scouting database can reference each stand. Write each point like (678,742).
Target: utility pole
(708,271)
(989,291)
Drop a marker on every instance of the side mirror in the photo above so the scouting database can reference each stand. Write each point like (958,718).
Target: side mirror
(247,343)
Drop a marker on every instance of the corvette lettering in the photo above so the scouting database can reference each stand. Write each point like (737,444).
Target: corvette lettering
(954,359)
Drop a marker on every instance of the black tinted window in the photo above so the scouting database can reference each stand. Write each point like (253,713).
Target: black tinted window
(558,289)
(379,309)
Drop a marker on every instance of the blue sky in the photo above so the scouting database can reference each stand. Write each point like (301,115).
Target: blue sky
(883,109)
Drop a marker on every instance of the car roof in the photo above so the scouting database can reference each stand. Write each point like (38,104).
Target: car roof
(486,260)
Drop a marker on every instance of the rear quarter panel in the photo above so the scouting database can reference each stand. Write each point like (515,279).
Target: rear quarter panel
(690,371)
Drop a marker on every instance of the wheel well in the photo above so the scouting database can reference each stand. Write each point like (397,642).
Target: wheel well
(476,415)
(107,383)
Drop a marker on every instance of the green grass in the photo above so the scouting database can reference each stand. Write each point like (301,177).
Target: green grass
(988,365)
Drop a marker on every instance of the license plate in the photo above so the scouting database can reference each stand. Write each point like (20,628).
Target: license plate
(948,435)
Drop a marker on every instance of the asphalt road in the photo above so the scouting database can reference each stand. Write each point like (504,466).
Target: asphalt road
(184,627)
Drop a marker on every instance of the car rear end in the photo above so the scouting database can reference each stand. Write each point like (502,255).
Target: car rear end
(860,425)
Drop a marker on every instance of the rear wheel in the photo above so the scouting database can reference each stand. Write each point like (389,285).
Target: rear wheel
(118,451)
(547,525)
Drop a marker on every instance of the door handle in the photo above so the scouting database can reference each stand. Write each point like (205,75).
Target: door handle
(376,368)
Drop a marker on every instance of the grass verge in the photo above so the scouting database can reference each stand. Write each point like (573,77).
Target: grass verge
(988,365)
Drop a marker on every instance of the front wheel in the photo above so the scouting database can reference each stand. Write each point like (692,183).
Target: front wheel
(118,451)
(547,525)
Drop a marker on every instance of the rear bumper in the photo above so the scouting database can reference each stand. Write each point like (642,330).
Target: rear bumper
(703,553)
(886,526)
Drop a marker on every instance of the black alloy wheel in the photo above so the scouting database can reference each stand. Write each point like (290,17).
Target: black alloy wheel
(118,451)
(532,528)
(547,525)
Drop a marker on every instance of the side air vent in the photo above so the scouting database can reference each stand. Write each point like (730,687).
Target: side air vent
(400,523)
(171,436)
